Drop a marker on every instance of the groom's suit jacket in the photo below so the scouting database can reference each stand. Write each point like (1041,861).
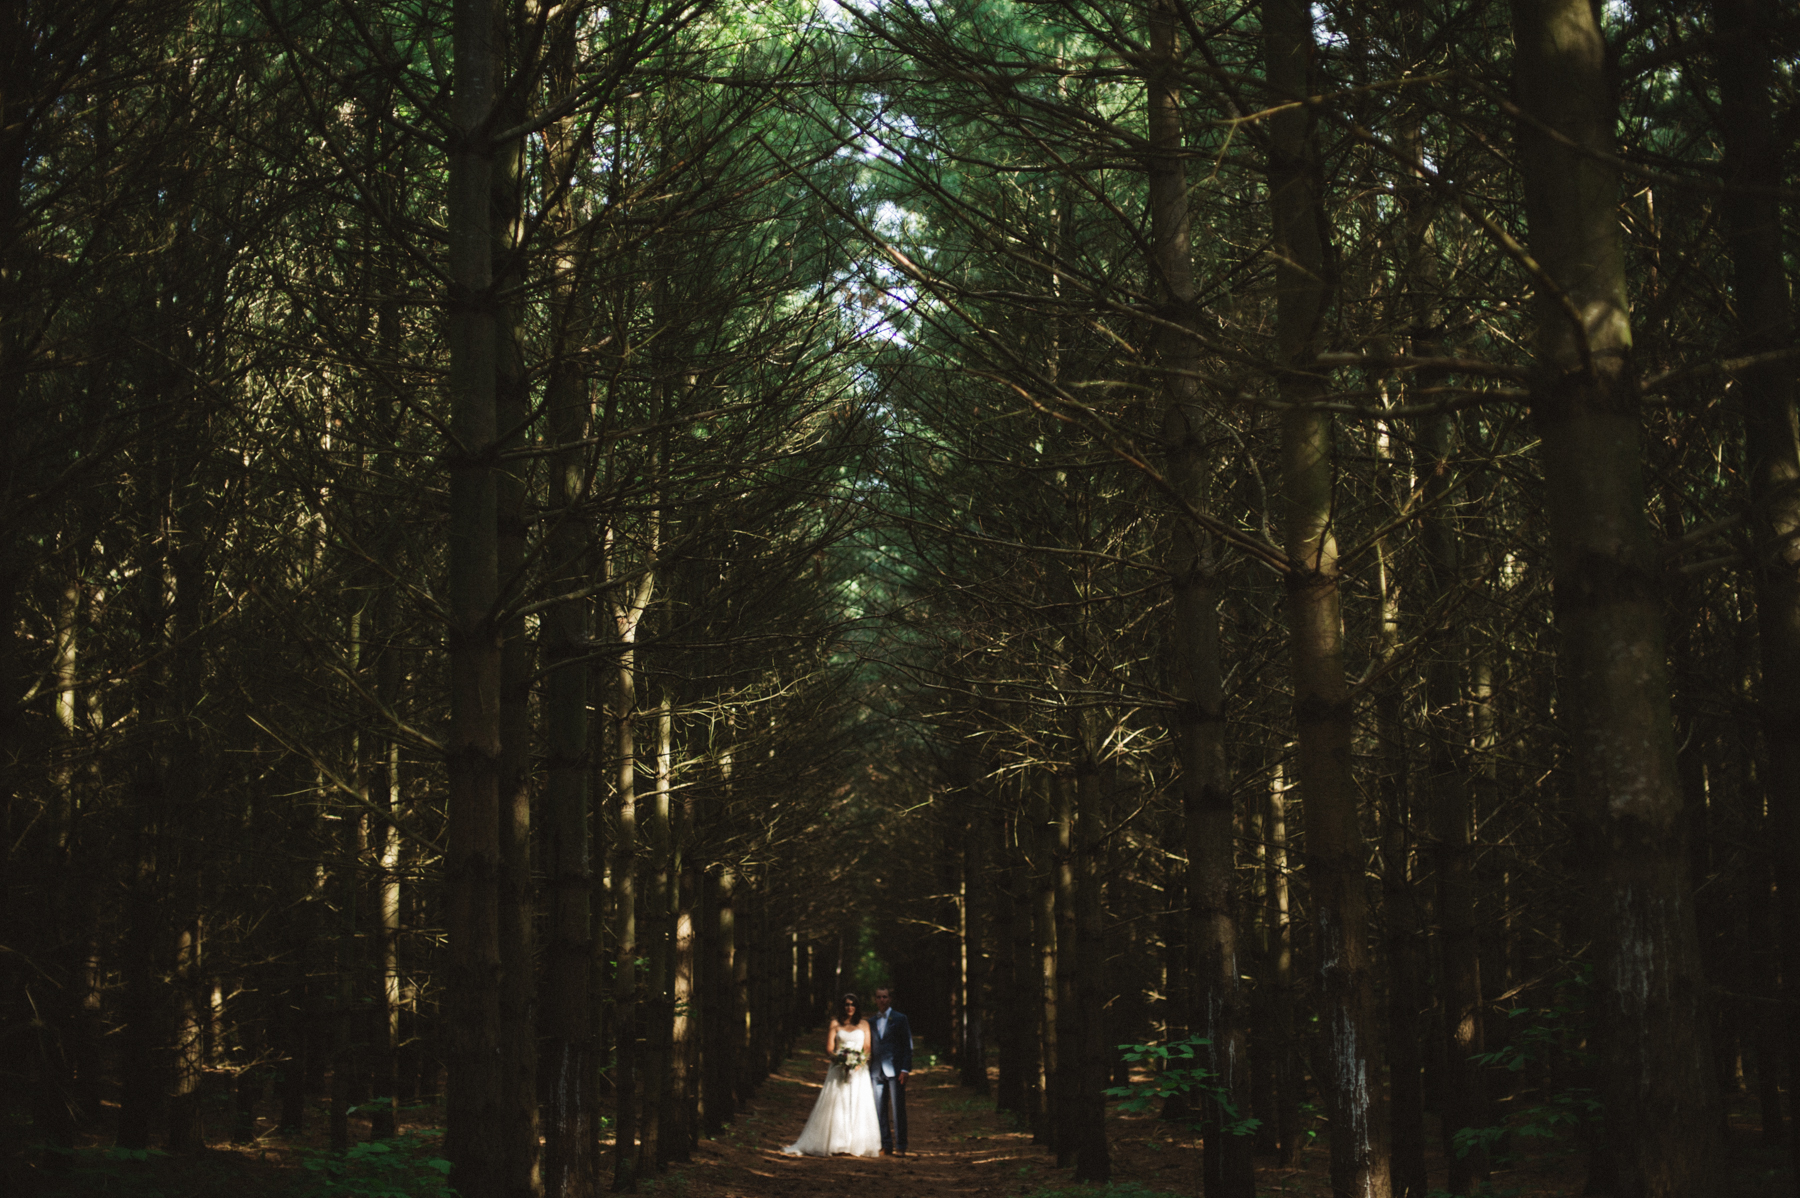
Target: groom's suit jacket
(894,1045)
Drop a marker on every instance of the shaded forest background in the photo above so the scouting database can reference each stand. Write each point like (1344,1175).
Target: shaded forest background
(539,544)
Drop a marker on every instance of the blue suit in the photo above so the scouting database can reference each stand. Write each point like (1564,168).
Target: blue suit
(893,1048)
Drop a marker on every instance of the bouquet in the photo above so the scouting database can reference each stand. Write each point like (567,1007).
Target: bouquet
(850,1059)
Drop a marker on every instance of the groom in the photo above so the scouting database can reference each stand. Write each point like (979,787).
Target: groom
(888,1067)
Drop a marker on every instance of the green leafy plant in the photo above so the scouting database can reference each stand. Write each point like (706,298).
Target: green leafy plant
(374,1104)
(1551,1037)
(404,1167)
(676,1184)
(1177,1073)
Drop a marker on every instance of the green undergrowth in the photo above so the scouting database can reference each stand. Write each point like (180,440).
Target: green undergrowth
(1552,1042)
(407,1166)
(128,1172)
(1177,1074)
(112,1172)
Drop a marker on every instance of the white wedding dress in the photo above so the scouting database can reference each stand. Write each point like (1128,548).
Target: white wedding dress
(843,1119)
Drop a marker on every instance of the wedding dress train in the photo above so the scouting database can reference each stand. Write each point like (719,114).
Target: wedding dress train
(843,1119)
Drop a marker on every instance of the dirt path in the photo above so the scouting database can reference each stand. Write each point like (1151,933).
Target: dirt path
(958,1147)
(961,1148)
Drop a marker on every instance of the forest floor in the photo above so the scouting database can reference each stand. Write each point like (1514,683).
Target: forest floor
(960,1148)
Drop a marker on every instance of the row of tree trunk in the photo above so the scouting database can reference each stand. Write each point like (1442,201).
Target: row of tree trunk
(242,846)
(1656,1017)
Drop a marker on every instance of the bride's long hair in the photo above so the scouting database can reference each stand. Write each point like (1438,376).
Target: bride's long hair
(843,1011)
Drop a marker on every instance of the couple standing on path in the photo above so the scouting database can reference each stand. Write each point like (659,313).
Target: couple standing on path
(846,1118)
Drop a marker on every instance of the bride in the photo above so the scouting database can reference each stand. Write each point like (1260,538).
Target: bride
(843,1119)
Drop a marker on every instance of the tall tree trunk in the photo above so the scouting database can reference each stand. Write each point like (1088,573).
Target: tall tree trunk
(383,1121)
(142,1065)
(73,1100)
(1260,929)
(568,1063)
(567,1060)
(516,901)
(1754,171)
(679,1131)
(1400,915)
(1067,1105)
(1027,986)
(718,1092)
(20,96)
(1014,1033)
(182,782)
(187,1132)
(1450,788)
(625,899)
(349,1004)
(1613,702)
(292,1031)
(1446,789)
(1197,678)
(1335,852)
(1279,971)
(972,1065)
(745,962)
(1771,1029)
(140,1072)
(346,1055)
(1040,797)
(476,1111)
(1093,1159)
(659,902)
(715,1108)
(975,905)
(628,1001)
(388,664)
